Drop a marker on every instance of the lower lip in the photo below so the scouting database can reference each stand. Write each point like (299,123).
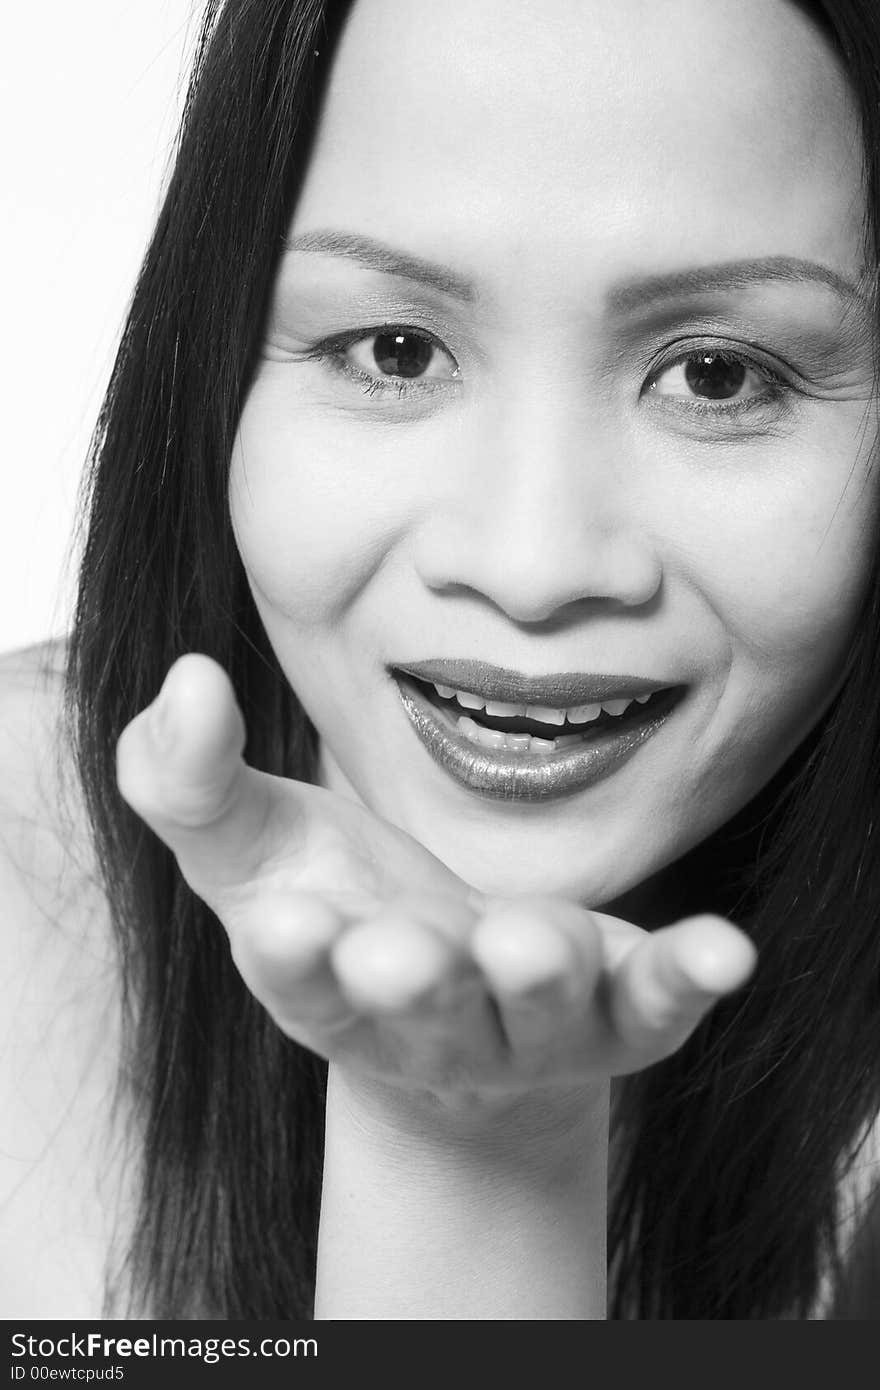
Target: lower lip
(509,776)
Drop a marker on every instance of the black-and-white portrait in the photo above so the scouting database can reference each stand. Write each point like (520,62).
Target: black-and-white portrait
(439,734)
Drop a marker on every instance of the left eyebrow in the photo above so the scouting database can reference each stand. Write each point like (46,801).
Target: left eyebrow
(378,255)
(633,294)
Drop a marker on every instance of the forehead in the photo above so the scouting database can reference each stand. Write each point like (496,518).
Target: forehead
(626,136)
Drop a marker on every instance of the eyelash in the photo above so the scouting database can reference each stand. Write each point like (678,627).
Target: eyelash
(779,392)
(332,352)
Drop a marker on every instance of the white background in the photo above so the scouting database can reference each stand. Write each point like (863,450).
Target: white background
(90,93)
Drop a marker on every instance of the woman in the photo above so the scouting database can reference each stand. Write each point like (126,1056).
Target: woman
(491,445)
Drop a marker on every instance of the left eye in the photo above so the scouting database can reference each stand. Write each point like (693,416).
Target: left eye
(402,353)
(711,376)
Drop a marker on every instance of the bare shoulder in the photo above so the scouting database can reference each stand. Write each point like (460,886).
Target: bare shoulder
(41,820)
(48,877)
(59,1005)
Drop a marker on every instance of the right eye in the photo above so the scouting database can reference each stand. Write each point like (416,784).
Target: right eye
(396,357)
(401,352)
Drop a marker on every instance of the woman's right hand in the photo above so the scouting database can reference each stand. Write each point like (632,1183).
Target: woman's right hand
(369,951)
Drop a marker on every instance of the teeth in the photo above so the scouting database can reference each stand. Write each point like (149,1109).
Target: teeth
(583,714)
(502,711)
(469,701)
(568,740)
(491,738)
(517,743)
(616,706)
(512,743)
(543,714)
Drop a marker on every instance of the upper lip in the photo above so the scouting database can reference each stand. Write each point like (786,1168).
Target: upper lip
(558,690)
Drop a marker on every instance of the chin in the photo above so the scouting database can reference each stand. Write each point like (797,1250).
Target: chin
(502,850)
(505,864)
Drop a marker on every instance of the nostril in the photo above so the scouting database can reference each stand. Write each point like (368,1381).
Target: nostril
(531,577)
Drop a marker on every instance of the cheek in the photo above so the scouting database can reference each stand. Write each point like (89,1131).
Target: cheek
(312,521)
(784,578)
(784,563)
(796,593)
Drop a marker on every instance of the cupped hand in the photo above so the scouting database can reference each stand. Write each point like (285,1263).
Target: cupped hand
(369,951)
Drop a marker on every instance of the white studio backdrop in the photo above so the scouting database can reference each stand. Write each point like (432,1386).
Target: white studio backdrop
(90,96)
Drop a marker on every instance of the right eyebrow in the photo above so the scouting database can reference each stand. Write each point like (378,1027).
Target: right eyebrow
(378,255)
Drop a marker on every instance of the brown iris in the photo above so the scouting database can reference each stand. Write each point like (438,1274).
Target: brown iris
(715,376)
(402,354)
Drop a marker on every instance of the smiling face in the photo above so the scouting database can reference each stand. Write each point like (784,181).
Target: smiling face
(566,372)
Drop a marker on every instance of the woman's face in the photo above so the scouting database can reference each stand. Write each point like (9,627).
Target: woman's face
(567,374)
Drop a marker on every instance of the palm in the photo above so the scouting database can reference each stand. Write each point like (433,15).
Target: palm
(321,843)
(367,949)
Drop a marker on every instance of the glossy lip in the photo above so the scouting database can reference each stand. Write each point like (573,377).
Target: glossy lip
(560,690)
(506,776)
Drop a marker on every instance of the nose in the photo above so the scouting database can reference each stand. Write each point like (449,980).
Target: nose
(534,517)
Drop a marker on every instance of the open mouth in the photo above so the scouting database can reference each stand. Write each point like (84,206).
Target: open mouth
(515,748)
(539,730)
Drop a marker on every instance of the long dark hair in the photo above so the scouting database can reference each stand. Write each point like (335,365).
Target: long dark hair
(725,1203)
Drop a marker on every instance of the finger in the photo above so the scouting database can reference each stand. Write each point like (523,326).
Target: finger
(666,983)
(404,955)
(418,979)
(541,959)
(179,765)
(283,953)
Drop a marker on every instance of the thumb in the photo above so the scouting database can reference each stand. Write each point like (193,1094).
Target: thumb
(674,976)
(179,765)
